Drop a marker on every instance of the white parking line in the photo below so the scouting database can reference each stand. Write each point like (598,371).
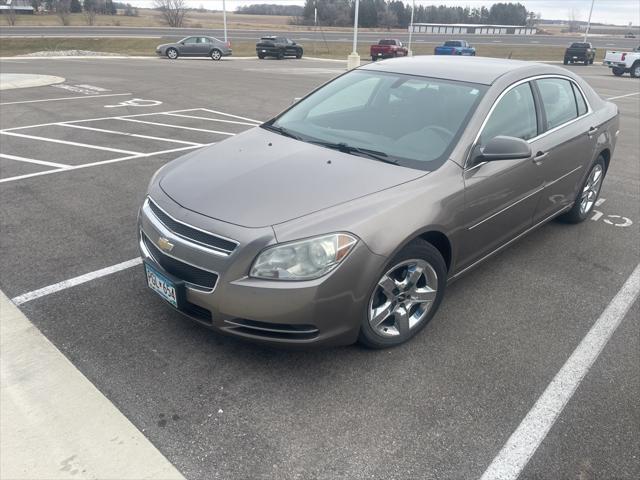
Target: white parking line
(623,96)
(67,98)
(210,119)
(115,132)
(526,439)
(33,160)
(104,162)
(66,142)
(230,115)
(87,277)
(126,119)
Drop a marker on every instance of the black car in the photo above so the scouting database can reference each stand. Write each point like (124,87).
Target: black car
(278,47)
(580,52)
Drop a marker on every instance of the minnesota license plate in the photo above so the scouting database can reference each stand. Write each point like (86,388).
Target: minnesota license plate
(161,285)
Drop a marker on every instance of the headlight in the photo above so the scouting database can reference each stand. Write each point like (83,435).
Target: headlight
(303,260)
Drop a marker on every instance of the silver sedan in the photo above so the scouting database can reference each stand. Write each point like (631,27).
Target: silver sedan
(197,46)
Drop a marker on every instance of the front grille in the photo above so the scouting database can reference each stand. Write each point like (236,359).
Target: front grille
(190,233)
(272,330)
(181,270)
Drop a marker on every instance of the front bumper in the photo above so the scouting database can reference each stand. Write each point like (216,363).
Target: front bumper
(326,311)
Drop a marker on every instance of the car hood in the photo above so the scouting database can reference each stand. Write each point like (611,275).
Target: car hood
(166,45)
(260,178)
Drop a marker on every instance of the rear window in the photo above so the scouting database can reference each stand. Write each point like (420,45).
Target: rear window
(579,45)
(559,101)
(387,42)
(452,44)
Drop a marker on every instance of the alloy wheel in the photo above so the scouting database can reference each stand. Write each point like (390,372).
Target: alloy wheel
(402,298)
(591,189)
(216,55)
(172,54)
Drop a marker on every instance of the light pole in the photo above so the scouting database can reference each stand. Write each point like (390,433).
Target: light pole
(413,7)
(586,32)
(353,60)
(224,20)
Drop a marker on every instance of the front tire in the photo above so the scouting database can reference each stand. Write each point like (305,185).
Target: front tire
(299,54)
(588,194)
(216,55)
(406,297)
(635,70)
(172,54)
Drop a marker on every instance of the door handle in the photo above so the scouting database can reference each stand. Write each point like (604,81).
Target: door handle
(540,156)
(592,131)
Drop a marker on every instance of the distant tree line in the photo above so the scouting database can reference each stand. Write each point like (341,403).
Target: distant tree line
(270,9)
(102,7)
(397,14)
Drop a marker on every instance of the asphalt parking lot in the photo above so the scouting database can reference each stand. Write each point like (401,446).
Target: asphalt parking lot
(75,160)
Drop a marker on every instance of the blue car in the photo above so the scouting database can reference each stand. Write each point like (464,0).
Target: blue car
(455,47)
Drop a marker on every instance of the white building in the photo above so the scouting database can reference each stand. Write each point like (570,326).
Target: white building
(471,29)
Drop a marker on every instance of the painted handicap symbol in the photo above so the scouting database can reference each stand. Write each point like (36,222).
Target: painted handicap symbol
(136,102)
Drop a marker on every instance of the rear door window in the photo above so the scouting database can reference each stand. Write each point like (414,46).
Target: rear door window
(513,116)
(582,104)
(558,100)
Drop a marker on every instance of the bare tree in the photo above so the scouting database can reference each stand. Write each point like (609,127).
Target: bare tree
(90,11)
(574,23)
(173,11)
(11,15)
(63,10)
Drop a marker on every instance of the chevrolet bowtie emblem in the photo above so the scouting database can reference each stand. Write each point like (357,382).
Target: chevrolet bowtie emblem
(165,244)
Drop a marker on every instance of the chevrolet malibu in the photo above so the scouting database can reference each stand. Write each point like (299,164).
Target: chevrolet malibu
(345,217)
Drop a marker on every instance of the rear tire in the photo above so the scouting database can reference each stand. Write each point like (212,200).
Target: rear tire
(408,299)
(566,61)
(588,194)
(216,55)
(373,58)
(260,56)
(172,53)
(618,72)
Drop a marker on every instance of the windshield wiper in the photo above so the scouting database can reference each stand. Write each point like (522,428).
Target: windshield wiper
(281,131)
(345,148)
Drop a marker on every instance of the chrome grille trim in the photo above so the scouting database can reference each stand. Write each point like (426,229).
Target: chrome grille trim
(154,212)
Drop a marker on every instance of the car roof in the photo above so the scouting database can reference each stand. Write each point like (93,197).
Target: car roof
(483,70)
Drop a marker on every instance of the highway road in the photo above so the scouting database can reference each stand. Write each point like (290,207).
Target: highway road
(303,35)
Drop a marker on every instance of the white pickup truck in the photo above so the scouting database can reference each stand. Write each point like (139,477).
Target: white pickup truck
(622,62)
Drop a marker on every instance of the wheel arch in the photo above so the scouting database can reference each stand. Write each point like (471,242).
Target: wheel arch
(442,244)
(606,155)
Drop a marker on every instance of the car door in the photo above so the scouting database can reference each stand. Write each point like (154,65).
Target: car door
(290,47)
(501,196)
(189,46)
(567,146)
(204,46)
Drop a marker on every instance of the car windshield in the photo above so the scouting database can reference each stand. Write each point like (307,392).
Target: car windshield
(409,120)
(579,45)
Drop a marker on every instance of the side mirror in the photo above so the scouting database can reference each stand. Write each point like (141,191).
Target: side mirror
(502,148)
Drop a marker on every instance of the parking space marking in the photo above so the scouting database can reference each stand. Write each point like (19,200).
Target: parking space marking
(67,98)
(103,162)
(136,135)
(228,115)
(87,277)
(66,142)
(623,96)
(211,119)
(33,160)
(533,429)
(127,119)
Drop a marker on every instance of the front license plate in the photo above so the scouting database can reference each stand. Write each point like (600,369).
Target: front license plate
(161,285)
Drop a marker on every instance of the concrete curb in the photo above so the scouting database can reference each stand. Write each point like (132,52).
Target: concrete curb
(55,423)
(9,81)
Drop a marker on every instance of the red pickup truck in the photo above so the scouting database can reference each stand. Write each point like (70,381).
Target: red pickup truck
(388,48)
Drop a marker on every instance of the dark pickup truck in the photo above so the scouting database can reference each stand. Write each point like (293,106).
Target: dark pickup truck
(580,52)
(388,48)
(278,47)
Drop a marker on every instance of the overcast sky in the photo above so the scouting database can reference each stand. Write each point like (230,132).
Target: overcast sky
(619,12)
